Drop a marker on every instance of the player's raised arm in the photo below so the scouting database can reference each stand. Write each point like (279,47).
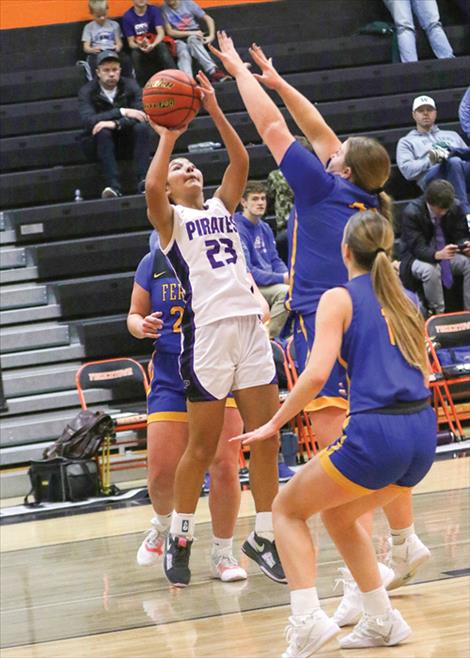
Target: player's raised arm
(305,114)
(236,174)
(265,115)
(159,210)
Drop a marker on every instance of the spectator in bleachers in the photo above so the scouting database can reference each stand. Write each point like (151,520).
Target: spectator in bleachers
(102,34)
(268,270)
(142,25)
(182,24)
(427,13)
(436,245)
(427,152)
(115,124)
(464,113)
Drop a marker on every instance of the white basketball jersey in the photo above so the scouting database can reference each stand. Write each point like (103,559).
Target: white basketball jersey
(206,253)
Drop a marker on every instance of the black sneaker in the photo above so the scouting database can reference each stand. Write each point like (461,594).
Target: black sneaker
(264,553)
(176,560)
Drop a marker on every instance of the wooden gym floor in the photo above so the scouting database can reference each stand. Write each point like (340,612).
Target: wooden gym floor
(71,588)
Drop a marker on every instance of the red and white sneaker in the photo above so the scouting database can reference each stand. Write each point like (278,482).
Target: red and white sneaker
(151,549)
(226,568)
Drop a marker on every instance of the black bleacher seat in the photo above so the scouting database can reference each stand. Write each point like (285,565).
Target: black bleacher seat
(57,184)
(358,82)
(35,85)
(93,296)
(108,336)
(117,253)
(39,117)
(73,220)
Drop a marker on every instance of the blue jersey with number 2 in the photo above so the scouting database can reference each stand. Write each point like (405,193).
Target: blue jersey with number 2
(155,275)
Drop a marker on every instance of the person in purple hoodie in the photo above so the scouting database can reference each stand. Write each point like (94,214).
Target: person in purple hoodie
(262,259)
(143,27)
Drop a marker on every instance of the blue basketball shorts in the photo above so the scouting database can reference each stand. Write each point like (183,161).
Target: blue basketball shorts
(304,335)
(166,400)
(379,449)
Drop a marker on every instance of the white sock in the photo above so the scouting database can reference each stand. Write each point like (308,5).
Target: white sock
(304,601)
(264,525)
(163,520)
(182,525)
(376,602)
(399,536)
(220,545)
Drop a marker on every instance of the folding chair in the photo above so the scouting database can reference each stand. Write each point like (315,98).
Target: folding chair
(301,422)
(448,331)
(125,378)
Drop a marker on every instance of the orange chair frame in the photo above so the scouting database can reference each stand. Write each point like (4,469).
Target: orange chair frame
(139,421)
(440,385)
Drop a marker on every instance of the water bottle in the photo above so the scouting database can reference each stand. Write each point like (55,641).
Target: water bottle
(201,147)
(78,195)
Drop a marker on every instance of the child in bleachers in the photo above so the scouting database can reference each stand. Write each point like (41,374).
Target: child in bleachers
(102,34)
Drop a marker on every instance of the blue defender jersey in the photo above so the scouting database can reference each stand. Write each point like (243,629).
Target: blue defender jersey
(155,275)
(379,376)
(323,205)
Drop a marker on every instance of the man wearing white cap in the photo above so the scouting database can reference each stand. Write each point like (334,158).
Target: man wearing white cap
(427,152)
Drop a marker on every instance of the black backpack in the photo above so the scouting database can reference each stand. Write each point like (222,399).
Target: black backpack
(82,437)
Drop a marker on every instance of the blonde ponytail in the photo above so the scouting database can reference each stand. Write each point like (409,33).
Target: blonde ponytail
(370,239)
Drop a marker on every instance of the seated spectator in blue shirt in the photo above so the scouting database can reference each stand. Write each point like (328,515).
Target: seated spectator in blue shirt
(262,259)
(428,152)
(142,24)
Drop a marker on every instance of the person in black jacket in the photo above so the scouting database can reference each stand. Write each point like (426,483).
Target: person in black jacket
(112,115)
(435,244)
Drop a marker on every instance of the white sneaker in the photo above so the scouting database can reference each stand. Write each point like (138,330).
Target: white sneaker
(308,633)
(383,631)
(349,610)
(405,559)
(151,549)
(226,568)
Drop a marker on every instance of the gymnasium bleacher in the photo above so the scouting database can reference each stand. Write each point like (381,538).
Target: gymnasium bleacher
(67,267)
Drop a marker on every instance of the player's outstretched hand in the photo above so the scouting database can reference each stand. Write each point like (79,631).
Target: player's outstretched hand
(269,76)
(208,97)
(174,133)
(227,54)
(266,431)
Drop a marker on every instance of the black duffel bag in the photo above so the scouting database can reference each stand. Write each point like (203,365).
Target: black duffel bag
(58,480)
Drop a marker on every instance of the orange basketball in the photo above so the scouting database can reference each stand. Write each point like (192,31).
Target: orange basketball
(171,98)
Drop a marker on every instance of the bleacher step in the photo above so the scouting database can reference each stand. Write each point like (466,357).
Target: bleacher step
(18,274)
(42,356)
(34,314)
(22,454)
(30,404)
(43,379)
(7,237)
(21,430)
(12,257)
(23,337)
(22,296)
